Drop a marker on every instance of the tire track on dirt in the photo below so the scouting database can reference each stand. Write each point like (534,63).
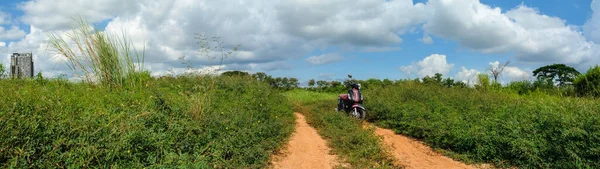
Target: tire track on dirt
(306,149)
(411,153)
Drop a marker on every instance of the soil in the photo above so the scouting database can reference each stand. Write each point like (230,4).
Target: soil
(306,149)
(412,153)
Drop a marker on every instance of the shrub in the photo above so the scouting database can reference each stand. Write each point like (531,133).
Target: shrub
(588,84)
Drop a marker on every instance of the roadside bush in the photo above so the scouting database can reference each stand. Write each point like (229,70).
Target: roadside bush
(588,84)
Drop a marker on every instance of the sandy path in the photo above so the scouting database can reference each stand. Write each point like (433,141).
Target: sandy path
(306,149)
(414,154)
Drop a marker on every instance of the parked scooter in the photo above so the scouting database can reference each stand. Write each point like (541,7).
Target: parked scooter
(351,103)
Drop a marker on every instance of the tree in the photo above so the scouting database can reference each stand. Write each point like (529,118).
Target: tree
(235,73)
(2,71)
(588,84)
(292,83)
(496,71)
(387,82)
(435,80)
(278,82)
(311,83)
(448,82)
(322,84)
(557,73)
(260,76)
(335,84)
(460,84)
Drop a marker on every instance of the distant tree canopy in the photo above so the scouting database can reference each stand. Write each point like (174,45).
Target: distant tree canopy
(560,73)
(235,73)
(2,70)
(285,83)
(311,83)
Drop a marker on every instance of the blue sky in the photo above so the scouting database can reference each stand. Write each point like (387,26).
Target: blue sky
(326,40)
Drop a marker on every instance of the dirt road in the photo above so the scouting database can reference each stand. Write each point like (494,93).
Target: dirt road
(411,153)
(306,149)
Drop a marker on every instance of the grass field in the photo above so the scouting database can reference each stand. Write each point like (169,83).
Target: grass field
(167,122)
(529,131)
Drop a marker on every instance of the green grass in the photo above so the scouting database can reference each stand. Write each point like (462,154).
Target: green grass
(358,146)
(531,131)
(170,122)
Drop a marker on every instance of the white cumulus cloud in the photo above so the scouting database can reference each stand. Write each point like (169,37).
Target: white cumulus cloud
(429,66)
(468,76)
(532,36)
(511,73)
(592,26)
(426,39)
(324,59)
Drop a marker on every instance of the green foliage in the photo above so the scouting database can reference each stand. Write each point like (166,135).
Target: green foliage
(531,131)
(560,73)
(235,73)
(170,122)
(435,80)
(521,87)
(588,84)
(311,83)
(2,71)
(359,146)
(284,83)
(483,81)
(448,82)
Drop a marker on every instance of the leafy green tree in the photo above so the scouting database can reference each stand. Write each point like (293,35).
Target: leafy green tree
(588,84)
(260,76)
(278,82)
(311,83)
(322,84)
(387,82)
(559,73)
(2,71)
(290,83)
(335,84)
(460,84)
(235,73)
(434,80)
(438,78)
(285,83)
(448,82)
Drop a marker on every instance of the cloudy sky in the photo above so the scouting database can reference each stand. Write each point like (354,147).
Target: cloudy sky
(326,40)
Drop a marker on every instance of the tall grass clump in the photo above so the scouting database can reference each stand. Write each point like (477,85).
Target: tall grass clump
(536,130)
(100,56)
